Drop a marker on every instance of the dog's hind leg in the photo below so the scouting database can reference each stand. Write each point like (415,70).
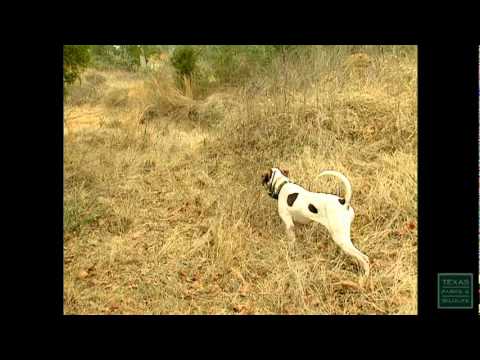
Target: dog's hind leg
(342,238)
(361,257)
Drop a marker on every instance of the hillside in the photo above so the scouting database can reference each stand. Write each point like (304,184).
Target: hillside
(163,203)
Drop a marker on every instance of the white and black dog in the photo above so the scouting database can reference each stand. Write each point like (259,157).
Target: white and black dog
(297,205)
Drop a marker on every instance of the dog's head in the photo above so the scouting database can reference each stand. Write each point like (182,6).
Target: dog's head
(267,176)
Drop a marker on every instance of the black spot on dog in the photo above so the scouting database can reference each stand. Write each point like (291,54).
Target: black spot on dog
(341,201)
(291,198)
(312,208)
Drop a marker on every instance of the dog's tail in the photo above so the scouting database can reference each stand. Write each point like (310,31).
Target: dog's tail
(346,182)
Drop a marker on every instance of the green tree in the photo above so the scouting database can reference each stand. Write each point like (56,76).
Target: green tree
(234,64)
(104,56)
(184,59)
(101,50)
(133,53)
(149,50)
(75,59)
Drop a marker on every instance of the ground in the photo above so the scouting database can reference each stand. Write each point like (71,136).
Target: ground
(165,214)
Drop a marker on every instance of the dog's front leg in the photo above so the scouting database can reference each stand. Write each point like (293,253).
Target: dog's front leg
(287,219)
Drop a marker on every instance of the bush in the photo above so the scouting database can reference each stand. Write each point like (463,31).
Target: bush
(231,64)
(117,98)
(83,94)
(88,91)
(95,79)
(211,67)
(103,56)
(235,64)
(80,214)
(125,57)
(75,60)
(184,60)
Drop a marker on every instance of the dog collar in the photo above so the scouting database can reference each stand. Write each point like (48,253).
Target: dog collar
(274,194)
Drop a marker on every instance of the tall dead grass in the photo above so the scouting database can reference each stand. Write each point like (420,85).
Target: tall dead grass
(168,216)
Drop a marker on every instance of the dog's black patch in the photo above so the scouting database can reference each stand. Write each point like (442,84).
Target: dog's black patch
(312,208)
(291,198)
(341,201)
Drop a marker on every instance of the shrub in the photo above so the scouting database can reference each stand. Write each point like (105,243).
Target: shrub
(95,79)
(231,64)
(125,57)
(75,60)
(184,60)
(235,64)
(164,98)
(117,97)
(79,94)
(88,91)
(80,213)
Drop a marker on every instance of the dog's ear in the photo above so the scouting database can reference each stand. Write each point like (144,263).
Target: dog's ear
(284,172)
(266,176)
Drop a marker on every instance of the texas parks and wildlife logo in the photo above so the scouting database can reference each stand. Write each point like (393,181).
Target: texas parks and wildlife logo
(455,291)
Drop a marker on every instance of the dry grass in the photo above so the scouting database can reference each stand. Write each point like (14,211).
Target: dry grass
(168,216)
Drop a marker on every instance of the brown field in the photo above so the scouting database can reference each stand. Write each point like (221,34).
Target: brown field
(164,211)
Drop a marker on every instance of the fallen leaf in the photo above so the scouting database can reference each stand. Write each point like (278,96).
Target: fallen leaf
(216,288)
(239,308)
(244,290)
(196,285)
(93,282)
(137,234)
(82,274)
(347,283)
